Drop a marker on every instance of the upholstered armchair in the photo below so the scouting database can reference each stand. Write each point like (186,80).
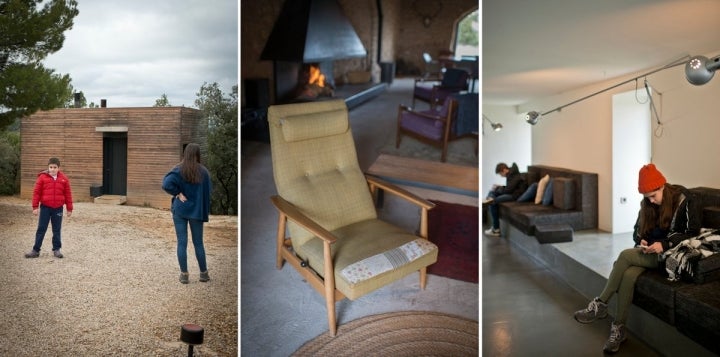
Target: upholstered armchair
(454,80)
(431,126)
(336,240)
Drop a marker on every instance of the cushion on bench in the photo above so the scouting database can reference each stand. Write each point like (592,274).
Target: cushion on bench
(697,314)
(526,215)
(656,294)
(564,193)
(706,270)
(553,233)
(711,217)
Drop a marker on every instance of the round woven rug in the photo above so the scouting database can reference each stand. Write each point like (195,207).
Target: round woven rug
(407,333)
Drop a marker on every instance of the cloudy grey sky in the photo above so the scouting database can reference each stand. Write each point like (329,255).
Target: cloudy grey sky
(130,52)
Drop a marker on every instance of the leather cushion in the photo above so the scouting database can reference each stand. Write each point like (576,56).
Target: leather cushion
(564,193)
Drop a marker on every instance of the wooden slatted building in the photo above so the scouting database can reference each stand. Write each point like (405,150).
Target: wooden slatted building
(110,151)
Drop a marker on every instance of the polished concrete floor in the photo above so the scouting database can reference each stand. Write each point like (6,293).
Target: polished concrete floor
(527,310)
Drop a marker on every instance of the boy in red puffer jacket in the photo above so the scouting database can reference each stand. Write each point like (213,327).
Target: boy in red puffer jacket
(51,193)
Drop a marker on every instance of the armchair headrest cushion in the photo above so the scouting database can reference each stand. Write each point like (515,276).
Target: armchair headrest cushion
(454,77)
(314,125)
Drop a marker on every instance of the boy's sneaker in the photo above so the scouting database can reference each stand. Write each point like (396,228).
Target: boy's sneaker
(184,278)
(596,310)
(57,253)
(488,200)
(617,336)
(32,254)
(492,232)
(204,276)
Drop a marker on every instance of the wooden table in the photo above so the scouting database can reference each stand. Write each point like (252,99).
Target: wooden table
(433,178)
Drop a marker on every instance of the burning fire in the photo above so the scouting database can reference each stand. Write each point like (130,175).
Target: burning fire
(316,77)
(313,83)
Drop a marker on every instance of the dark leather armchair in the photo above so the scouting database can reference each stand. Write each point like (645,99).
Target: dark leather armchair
(434,92)
(431,126)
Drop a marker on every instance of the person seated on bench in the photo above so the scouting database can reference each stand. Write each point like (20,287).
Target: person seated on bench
(668,215)
(515,185)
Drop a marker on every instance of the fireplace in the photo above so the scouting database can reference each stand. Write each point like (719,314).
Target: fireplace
(308,34)
(292,81)
(313,83)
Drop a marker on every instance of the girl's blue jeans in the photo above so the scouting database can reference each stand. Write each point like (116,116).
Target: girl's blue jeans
(181,230)
(46,216)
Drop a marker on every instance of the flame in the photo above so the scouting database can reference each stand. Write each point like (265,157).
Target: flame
(316,77)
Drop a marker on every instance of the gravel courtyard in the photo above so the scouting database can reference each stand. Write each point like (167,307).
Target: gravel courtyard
(116,291)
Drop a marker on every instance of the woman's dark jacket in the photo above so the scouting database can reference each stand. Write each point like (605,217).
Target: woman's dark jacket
(685,223)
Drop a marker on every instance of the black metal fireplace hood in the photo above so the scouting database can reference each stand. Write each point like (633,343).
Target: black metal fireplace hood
(310,31)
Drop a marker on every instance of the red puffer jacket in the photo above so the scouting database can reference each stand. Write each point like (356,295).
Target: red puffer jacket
(52,193)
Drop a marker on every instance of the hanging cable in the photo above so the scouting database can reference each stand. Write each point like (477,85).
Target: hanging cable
(659,130)
(534,116)
(637,99)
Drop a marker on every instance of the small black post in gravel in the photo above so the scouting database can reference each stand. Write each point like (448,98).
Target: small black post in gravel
(191,334)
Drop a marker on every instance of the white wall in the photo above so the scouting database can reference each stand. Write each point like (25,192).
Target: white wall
(511,144)
(631,143)
(580,136)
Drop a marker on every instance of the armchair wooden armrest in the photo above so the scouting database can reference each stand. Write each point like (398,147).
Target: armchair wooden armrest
(437,79)
(295,215)
(425,205)
(376,183)
(423,114)
(404,108)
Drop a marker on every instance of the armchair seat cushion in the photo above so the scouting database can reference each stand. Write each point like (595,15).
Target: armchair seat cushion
(363,242)
(429,128)
(386,261)
(424,91)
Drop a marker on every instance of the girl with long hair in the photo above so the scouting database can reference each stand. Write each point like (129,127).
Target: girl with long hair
(668,215)
(189,184)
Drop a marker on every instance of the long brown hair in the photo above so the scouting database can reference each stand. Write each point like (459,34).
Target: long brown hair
(652,215)
(190,166)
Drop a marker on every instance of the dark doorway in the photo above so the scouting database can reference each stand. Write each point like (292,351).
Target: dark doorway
(115,164)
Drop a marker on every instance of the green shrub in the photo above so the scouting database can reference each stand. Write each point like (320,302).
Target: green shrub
(9,162)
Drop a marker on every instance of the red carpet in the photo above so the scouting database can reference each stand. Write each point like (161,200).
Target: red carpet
(454,229)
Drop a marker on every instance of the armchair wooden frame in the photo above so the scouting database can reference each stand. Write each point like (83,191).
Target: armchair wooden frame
(447,134)
(436,84)
(326,286)
(439,89)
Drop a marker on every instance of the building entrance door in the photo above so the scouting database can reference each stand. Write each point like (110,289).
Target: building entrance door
(115,164)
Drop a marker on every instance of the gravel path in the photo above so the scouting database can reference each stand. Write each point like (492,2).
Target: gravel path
(116,291)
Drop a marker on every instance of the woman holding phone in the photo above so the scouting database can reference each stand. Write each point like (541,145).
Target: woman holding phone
(668,215)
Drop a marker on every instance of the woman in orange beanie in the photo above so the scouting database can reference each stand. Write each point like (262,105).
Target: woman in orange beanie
(668,215)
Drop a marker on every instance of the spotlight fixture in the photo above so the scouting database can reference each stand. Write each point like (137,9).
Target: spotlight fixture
(494,126)
(700,70)
(532,117)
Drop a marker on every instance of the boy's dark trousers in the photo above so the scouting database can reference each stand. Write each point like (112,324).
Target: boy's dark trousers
(53,216)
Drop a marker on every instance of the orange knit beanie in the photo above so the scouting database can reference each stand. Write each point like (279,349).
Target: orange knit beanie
(650,179)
